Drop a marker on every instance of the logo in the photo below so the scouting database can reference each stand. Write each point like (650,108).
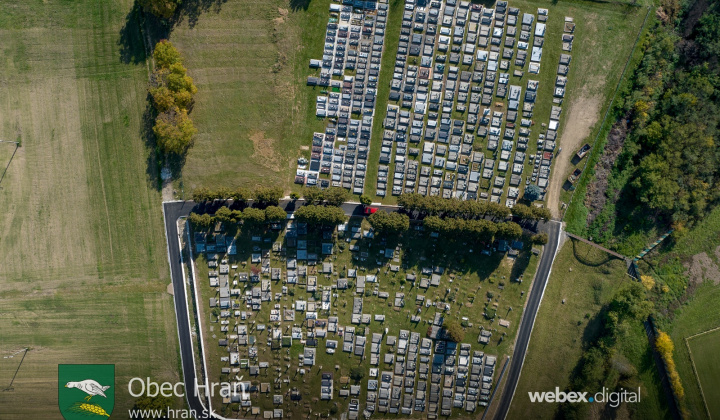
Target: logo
(612,398)
(86,392)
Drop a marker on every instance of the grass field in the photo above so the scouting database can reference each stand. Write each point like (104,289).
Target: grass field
(705,349)
(250,59)
(83,266)
(563,330)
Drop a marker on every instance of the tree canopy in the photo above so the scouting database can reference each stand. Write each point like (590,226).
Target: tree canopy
(320,215)
(389,223)
(160,8)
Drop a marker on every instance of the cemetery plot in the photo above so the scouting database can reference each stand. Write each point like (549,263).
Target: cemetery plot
(346,320)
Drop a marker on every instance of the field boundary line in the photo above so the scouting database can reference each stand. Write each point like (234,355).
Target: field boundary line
(692,363)
(17,146)
(612,101)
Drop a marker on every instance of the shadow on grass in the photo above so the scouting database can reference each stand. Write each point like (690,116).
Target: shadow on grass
(192,9)
(132,49)
(296,5)
(584,255)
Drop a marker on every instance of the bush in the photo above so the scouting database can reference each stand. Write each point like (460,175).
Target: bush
(454,331)
(540,238)
(357,374)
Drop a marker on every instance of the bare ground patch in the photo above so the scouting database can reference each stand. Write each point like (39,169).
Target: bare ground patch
(703,268)
(265,150)
(597,189)
(582,115)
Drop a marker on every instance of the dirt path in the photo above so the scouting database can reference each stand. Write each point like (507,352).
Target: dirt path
(582,115)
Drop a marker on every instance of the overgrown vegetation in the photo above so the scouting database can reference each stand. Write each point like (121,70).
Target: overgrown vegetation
(668,173)
(599,365)
(172,92)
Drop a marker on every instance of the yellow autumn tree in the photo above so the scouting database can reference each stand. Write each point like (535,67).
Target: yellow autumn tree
(665,346)
(647,281)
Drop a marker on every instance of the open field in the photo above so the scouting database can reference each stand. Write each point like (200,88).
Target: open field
(563,330)
(705,349)
(466,284)
(249,59)
(83,266)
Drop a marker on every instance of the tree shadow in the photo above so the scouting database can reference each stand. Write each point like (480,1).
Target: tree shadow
(132,48)
(585,258)
(296,5)
(153,164)
(192,9)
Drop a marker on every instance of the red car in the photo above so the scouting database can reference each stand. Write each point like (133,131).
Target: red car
(370,210)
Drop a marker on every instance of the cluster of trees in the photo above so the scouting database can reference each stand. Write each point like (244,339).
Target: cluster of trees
(438,206)
(263,195)
(389,223)
(333,196)
(172,93)
(161,8)
(320,216)
(671,151)
(248,216)
(477,230)
(665,346)
(596,368)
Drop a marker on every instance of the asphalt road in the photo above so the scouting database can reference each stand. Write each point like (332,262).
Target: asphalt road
(553,230)
(175,210)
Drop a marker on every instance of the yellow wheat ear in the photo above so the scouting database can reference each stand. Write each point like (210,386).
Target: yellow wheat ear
(90,409)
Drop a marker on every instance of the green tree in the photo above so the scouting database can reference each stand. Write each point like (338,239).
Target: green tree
(203,221)
(389,223)
(357,373)
(539,238)
(253,216)
(241,194)
(160,8)
(224,214)
(454,331)
(320,215)
(313,195)
(269,195)
(200,195)
(165,54)
(509,230)
(275,214)
(174,131)
(532,192)
(365,200)
(335,196)
(178,80)
(163,99)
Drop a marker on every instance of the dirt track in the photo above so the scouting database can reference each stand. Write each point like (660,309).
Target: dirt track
(582,115)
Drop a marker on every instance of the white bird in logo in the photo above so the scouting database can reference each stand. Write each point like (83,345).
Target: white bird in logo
(89,387)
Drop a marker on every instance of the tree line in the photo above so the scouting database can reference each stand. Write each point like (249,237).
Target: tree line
(248,216)
(468,209)
(172,92)
(262,195)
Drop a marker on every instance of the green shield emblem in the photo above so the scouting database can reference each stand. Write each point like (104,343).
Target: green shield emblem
(86,391)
